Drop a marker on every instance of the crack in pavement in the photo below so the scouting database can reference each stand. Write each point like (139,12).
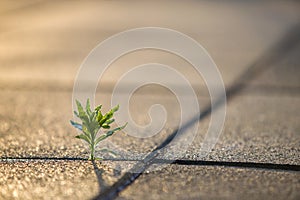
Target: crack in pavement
(255,165)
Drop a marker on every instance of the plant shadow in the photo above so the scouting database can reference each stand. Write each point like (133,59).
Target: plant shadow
(99,173)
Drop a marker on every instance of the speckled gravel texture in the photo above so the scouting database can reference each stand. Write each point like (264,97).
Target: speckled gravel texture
(40,179)
(198,182)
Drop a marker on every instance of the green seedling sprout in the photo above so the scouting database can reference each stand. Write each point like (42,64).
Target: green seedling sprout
(92,122)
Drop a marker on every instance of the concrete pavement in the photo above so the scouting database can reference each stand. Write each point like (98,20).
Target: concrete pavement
(42,45)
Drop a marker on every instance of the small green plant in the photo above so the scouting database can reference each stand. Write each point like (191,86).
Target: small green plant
(92,122)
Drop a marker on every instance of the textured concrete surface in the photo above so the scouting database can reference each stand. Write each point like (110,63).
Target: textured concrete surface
(48,179)
(198,182)
(257,129)
(43,43)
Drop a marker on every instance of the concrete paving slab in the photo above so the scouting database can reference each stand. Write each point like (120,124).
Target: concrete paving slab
(36,123)
(53,179)
(32,122)
(199,182)
(257,129)
(281,78)
(263,120)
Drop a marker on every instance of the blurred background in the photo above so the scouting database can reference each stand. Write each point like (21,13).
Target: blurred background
(43,43)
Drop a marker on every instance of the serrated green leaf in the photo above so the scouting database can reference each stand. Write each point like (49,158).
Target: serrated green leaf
(116,129)
(79,107)
(109,133)
(100,138)
(98,108)
(88,108)
(94,127)
(76,113)
(109,121)
(99,117)
(105,126)
(92,117)
(83,137)
(99,113)
(76,125)
(116,108)
(108,116)
(82,114)
(86,130)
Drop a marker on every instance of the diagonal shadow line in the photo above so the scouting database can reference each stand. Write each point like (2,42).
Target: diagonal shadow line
(273,55)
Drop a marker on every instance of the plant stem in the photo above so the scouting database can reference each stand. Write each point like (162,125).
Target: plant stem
(92,147)
(92,152)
